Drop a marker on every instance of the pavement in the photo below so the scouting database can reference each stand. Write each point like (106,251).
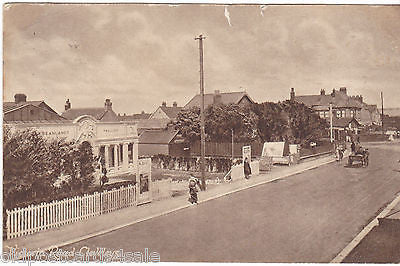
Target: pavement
(110,222)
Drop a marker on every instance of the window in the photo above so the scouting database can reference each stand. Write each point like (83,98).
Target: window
(340,113)
(322,114)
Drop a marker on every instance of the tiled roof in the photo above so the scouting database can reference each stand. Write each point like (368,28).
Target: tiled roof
(343,122)
(171,111)
(157,136)
(19,122)
(226,98)
(134,117)
(9,106)
(98,113)
(152,123)
(339,100)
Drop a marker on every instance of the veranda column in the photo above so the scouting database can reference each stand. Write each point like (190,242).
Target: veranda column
(125,160)
(106,156)
(115,157)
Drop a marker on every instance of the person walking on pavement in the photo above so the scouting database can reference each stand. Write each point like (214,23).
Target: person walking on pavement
(193,190)
(247,169)
(353,147)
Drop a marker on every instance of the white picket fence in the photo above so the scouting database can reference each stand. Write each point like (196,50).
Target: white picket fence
(35,218)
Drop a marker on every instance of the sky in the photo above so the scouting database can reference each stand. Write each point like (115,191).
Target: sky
(140,55)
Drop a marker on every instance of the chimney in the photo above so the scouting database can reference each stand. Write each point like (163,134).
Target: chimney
(333,93)
(67,105)
(108,105)
(20,98)
(175,104)
(292,94)
(164,104)
(143,112)
(322,92)
(343,89)
(217,97)
(359,98)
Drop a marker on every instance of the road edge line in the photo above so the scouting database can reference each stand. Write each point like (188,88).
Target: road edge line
(102,232)
(346,251)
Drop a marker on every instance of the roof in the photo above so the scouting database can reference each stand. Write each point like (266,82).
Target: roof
(134,117)
(98,113)
(343,122)
(391,111)
(339,100)
(11,106)
(157,136)
(226,98)
(171,111)
(153,123)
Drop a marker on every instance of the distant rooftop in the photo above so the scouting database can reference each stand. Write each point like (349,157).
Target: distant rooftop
(218,97)
(391,111)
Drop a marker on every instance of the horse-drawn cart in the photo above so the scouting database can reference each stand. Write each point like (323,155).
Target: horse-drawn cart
(359,157)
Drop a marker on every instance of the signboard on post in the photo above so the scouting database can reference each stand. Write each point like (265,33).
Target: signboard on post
(144,181)
(246,153)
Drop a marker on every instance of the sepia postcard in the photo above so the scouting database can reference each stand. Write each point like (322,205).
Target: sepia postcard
(138,132)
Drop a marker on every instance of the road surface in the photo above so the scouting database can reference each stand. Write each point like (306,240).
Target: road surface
(308,217)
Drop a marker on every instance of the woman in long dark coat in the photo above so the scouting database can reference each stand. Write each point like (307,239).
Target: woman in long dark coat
(247,169)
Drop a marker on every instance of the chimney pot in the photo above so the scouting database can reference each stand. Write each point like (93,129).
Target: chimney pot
(217,97)
(164,103)
(175,104)
(19,98)
(292,94)
(67,105)
(108,104)
(322,92)
(343,89)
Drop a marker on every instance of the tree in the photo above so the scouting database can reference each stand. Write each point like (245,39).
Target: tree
(272,121)
(221,119)
(188,123)
(304,124)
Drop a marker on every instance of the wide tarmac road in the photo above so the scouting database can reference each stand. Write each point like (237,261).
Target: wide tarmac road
(309,217)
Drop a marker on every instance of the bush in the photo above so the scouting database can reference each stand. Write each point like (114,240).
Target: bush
(33,164)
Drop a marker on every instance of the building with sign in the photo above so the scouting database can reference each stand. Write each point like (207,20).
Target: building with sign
(115,141)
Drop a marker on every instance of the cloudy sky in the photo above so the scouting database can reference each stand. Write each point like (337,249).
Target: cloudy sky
(141,55)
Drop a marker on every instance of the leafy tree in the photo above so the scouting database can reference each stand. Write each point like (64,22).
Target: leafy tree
(272,121)
(222,119)
(304,124)
(188,123)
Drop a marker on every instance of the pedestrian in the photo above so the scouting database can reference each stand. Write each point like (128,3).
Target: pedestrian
(340,152)
(193,190)
(353,147)
(247,169)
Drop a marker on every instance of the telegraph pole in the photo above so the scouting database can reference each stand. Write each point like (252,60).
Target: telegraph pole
(383,131)
(202,123)
(331,121)
(233,145)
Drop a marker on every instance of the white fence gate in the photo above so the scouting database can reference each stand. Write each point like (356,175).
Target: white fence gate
(34,218)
